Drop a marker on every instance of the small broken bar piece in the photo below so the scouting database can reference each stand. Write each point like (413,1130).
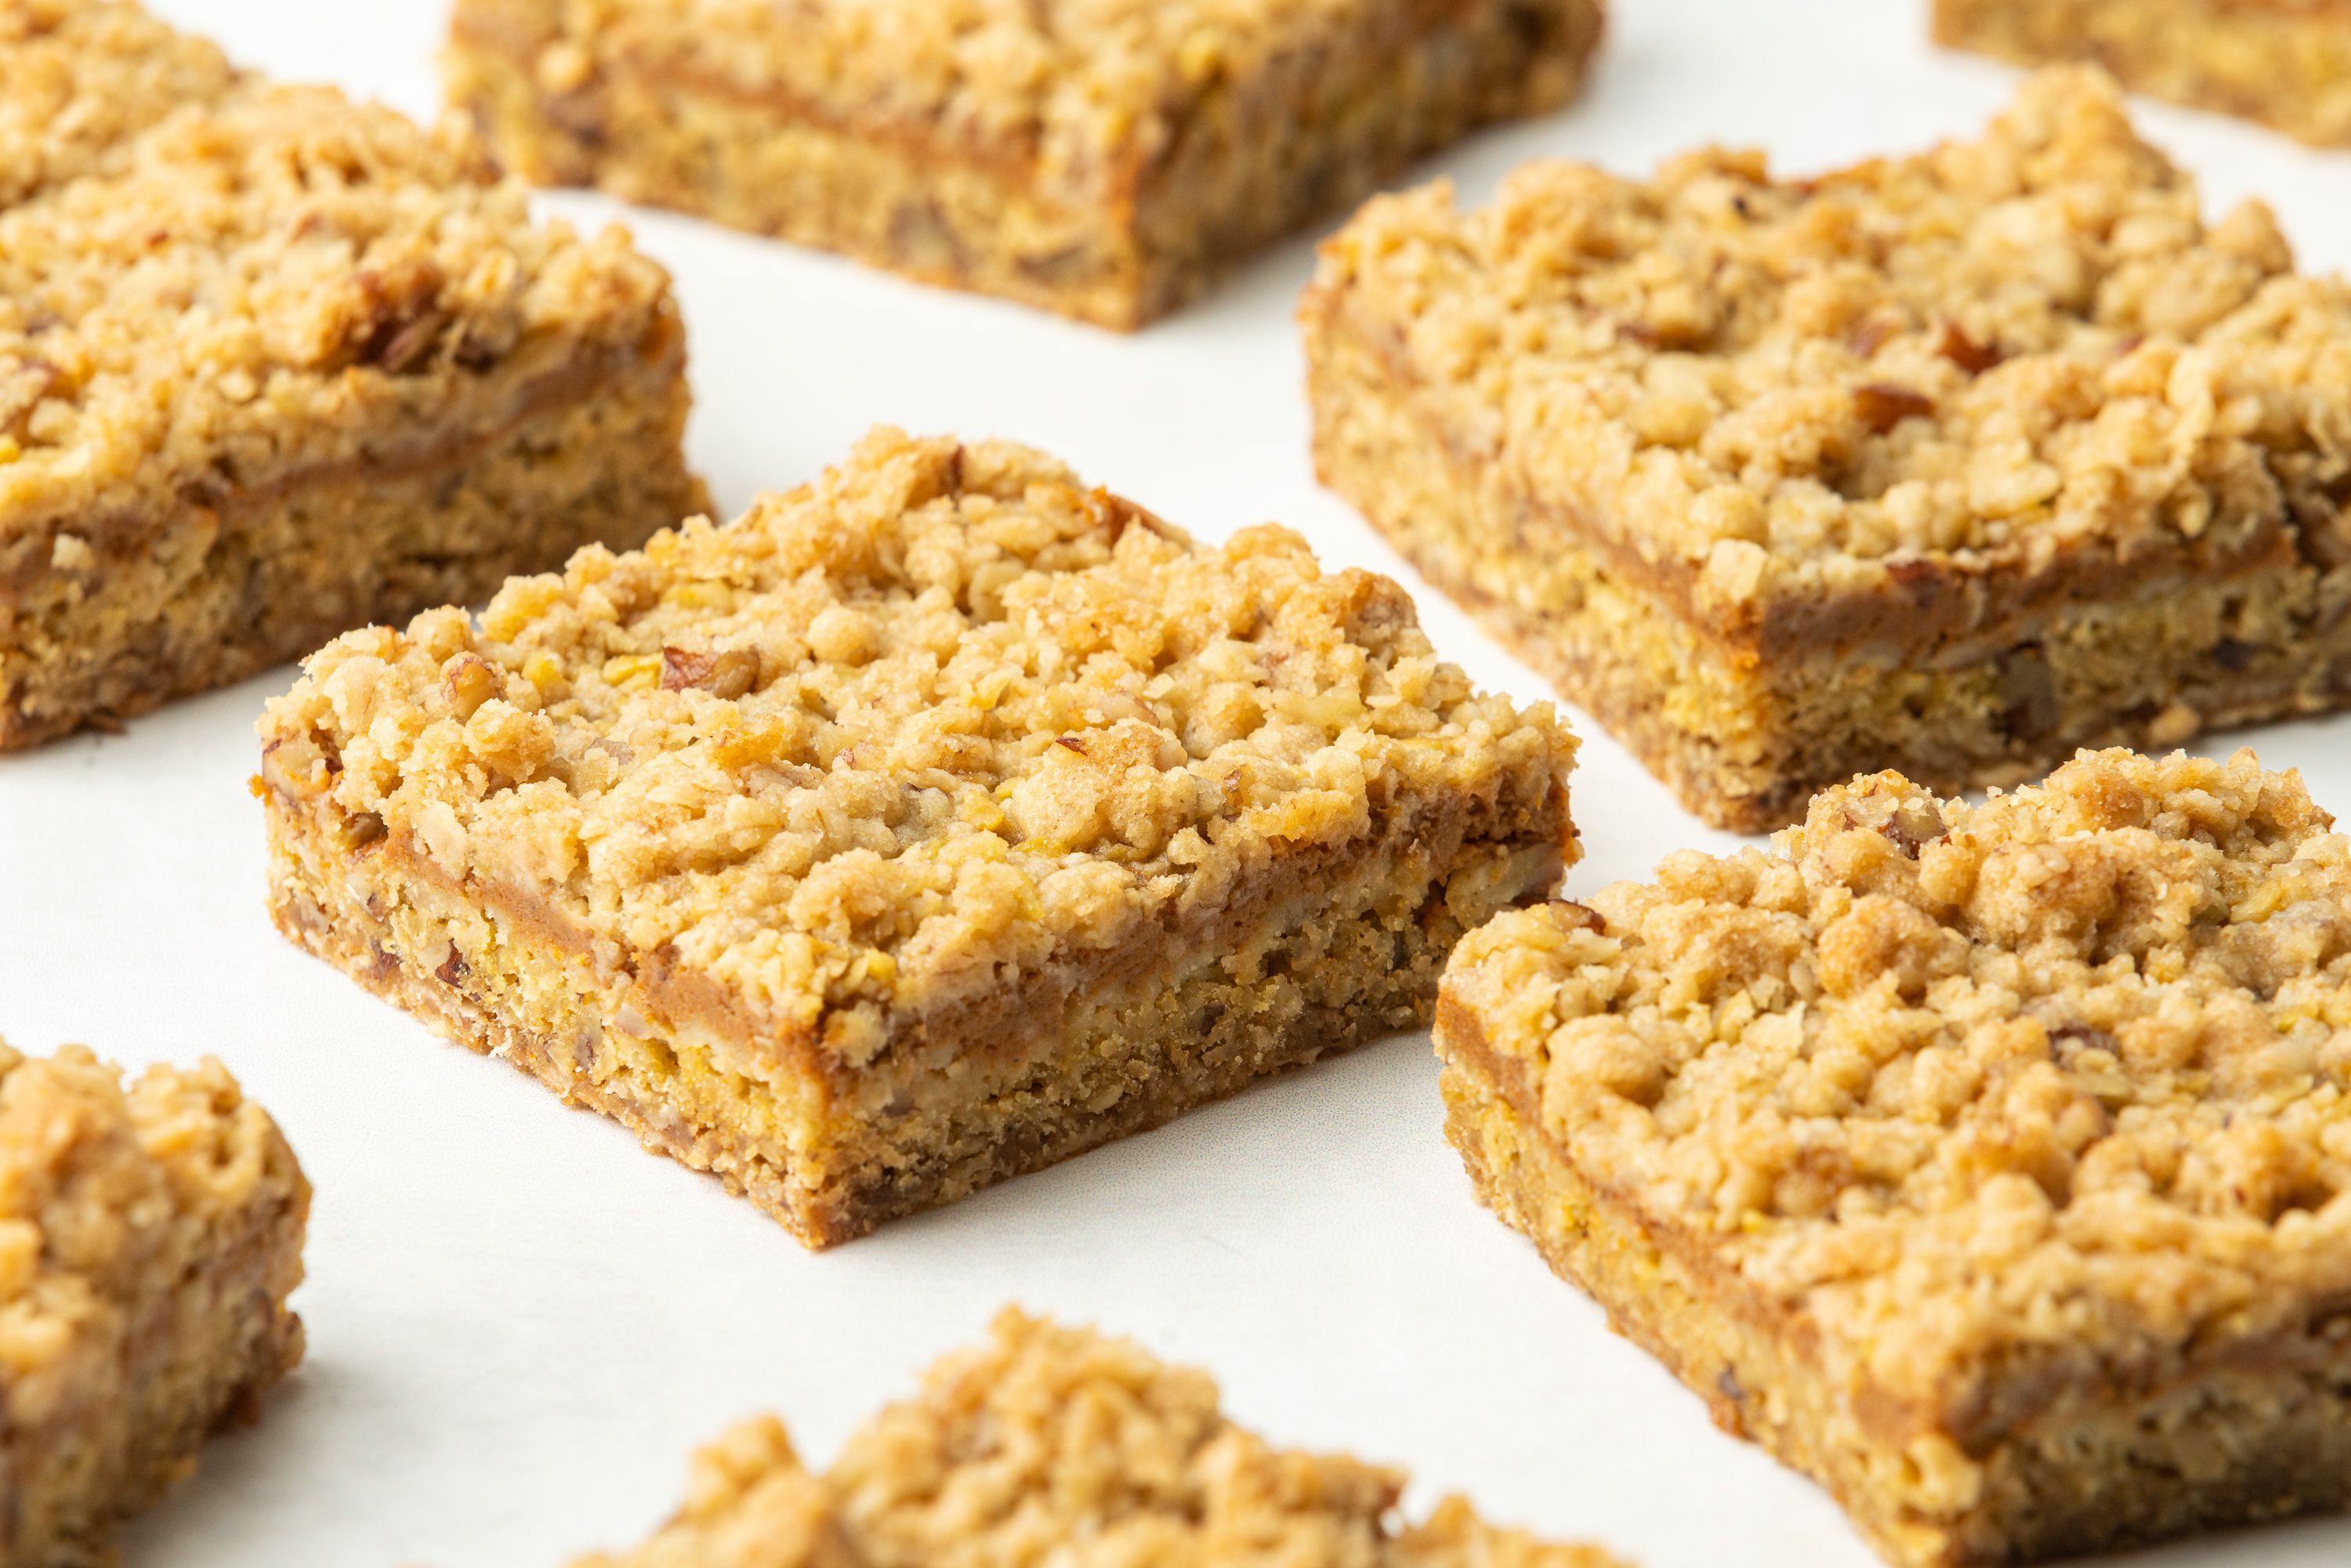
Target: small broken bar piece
(1991,1163)
(274,364)
(150,1234)
(925,826)
(1059,1445)
(2286,63)
(1951,464)
(1103,159)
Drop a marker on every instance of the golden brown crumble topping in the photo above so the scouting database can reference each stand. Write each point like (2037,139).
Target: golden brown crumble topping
(110,1196)
(1057,1445)
(80,77)
(1998,352)
(748,1504)
(942,712)
(253,281)
(1048,1433)
(2065,1072)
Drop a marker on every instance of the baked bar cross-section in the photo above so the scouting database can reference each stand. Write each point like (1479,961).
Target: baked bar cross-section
(1105,159)
(274,364)
(1058,1445)
(2286,63)
(1991,1163)
(926,825)
(150,1234)
(1949,464)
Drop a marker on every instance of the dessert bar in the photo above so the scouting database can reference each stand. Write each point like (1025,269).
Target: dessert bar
(1057,1445)
(1991,1163)
(149,1233)
(2283,62)
(1951,464)
(1105,159)
(926,825)
(274,364)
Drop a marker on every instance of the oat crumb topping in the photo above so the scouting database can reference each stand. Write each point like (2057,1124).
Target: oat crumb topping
(1998,352)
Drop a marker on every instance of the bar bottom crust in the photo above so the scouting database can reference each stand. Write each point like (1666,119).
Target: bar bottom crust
(1744,742)
(2095,1470)
(1325,128)
(2288,66)
(255,578)
(1315,958)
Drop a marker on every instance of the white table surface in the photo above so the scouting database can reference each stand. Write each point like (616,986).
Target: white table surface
(520,1325)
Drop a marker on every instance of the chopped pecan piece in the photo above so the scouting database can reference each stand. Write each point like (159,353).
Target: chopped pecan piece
(722,673)
(1966,353)
(397,316)
(1581,916)
(1883,405)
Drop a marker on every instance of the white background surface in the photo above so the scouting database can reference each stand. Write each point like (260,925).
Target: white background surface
(520,1325)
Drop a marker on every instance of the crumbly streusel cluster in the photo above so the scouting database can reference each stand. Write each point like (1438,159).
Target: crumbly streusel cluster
(943,711)
(2001,351)
(110,1196)
(2066,1070)
(1071,1434)
(241,285)
(1054,1443)
(80,77)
